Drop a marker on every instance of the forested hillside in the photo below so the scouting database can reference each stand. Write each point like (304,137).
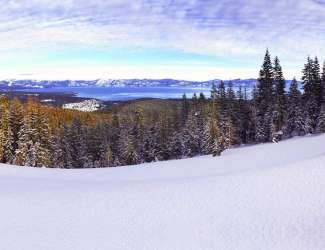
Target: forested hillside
(155,130)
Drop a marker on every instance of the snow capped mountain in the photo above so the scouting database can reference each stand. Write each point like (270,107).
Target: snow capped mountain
(19,84)
(170,83)
(12,84)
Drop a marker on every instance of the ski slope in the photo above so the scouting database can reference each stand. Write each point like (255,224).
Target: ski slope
(269,196)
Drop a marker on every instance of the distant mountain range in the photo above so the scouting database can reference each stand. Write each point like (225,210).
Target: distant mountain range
(23,84)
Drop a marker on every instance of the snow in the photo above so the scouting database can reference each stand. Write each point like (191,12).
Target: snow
(86,106)
(268,196)
(47,100)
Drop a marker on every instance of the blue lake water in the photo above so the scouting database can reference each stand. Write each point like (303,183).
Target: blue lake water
(126,93)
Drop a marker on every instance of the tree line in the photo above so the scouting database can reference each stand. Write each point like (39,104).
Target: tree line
(147,131)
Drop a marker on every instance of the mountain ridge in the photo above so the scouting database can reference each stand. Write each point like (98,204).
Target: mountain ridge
(28,83)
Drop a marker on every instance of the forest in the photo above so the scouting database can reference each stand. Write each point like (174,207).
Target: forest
(32,134)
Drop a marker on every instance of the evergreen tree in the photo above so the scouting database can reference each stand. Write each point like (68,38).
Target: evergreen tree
(25,153)
(222,106)
(264,100)
(78,145)
(279,113)
(321,120)
(323,85)
(176,147)
(34,143)
(194,102)
(243,116)
(295,123)
(44,141)
(58,153)
(106,156)
(215,142)
(214,92)
(231,135)
(4,128)
(114,137)
(190,147)
(312,91)
(15,119)
(128,152)
(149,144)
(138,133)
(185,109)
(317,83)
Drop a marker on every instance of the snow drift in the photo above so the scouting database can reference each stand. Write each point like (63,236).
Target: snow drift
(267,196)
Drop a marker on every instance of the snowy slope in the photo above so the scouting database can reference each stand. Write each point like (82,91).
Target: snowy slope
(269,196)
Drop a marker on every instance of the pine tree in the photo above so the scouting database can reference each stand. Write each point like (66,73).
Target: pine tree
(295,123)
(201,101)
(114,137)
(230,136)
(106,156)
(9,151)
(243,116)
(149,144)
(97,142)
(222,96)
(128,152)
(78,144)
(213,135)
(214,92)
(194,129)
(176,147)
(253,121)
(279,113)
(15,120)
(4,128)
(231,133)
(264,100)
(24,144)
(34,139)
(27,137)
(323,85)
(58,157)
(185,109)
(218,146)
(222,107)
(138,134)
(44,140)
(312,91)
(194,102)
(230,95)
(317,83)
(321,120)
(208,140)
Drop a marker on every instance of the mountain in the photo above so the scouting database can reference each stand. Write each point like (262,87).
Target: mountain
(171,83)
(20,84)
(268,196)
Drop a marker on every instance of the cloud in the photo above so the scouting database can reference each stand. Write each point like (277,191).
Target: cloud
(240,29)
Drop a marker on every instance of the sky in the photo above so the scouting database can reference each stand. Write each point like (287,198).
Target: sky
(180,39)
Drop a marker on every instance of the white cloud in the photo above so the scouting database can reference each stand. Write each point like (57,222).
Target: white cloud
(128,72)
(240,29)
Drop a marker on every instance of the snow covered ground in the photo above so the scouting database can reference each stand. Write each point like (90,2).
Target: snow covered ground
(269,196)
(86,106)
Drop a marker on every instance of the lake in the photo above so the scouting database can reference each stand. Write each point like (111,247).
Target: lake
(125,93)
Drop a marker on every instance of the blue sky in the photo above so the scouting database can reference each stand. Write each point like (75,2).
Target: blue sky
(183,39)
